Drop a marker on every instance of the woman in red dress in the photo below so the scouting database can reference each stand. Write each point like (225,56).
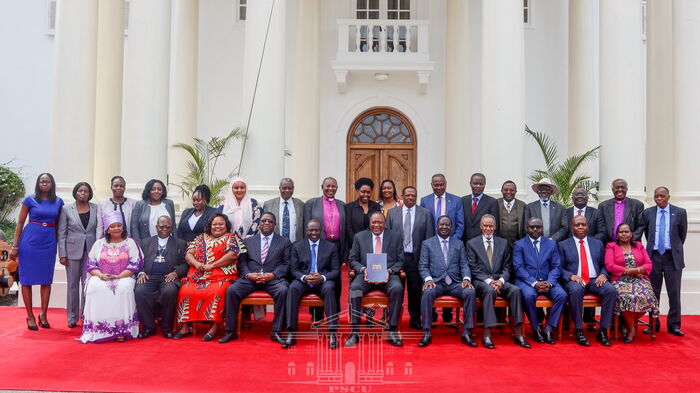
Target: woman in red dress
(213,259)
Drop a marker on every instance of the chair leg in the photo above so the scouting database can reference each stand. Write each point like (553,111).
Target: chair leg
(616,318)
(653,326)
(238,330)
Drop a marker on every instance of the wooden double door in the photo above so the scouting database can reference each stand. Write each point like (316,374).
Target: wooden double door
(395,161)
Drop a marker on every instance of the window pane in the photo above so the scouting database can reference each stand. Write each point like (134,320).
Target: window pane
(374,15)
(525,16)
(392,15)
(361,14)
(393,4)
(406,4)
(241,13)
(405,15)
(243,2)
(374,4)
(361,4)
(524,3)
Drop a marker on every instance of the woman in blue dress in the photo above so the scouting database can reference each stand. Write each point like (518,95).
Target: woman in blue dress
(34,246)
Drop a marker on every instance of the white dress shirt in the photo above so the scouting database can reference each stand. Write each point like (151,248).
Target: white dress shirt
(292,219)
(591,266)
(583,211)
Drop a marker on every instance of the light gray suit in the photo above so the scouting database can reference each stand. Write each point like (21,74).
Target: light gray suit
(273,206)
(74,243)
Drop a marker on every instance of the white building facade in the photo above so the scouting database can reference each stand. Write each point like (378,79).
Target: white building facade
(344,88)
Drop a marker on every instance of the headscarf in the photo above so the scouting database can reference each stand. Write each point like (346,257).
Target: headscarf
(240,215)
(110,217)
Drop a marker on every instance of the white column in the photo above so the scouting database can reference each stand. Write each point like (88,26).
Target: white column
(305,105)
(458,136)
(108,95)
(182,118)
(502,93)
(145,130)
(263,160)
(622,133)
(686,63)
(73,117)
(582,84)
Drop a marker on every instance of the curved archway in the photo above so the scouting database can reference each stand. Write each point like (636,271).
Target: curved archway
(381,144)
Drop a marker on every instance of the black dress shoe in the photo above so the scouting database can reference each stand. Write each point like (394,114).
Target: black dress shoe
(468,340)
(539,336)
(488,343)
(581,338)
(602,338)
(549,337)
(208,337)
(179,335)
(676,332)
(333,341)
(72,324)
(168,334)
(352,340)
(276,337)
(290,341)
(655,323)
(627,340)
(146,333)
(229,336)
(394,338)
(425,340)
(522,342)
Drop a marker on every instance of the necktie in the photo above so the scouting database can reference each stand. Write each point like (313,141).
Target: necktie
(378,245)
(265,249)
(661,245)
(544,204)
(545,219)
(509,205)
(475,200)
(285,220)
(585,275)
(448,280)
(580,212)
(314,266)
(407,229)
(489,252)
(537,249)
(439,209)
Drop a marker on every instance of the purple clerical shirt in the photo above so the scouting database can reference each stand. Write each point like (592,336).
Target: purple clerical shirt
(619,216)
(331,219)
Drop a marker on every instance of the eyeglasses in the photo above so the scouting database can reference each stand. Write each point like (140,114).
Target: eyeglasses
(267,220)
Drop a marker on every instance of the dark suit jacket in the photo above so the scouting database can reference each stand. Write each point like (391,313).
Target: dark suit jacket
(519,210)
(529,267)
(364,244)
(174,255)
(678,228)
(327,260)
(432,260)
(558,226)
(422,226)
(568,251)
(454,209)
(188,234)
(273,206)
(313,208)
(596,224)
(633,210)
(140,219)
(277,261)
(479,261)
(472,222)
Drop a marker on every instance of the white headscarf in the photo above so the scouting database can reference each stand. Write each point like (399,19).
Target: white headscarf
(240,214)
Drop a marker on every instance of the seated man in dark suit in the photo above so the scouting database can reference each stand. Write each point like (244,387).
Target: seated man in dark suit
(596,223)
(552,214)
(315,267)
(444,268)
(378,241)
(583,271)
(263,267)
(537,269)
(489,260)
(159,280)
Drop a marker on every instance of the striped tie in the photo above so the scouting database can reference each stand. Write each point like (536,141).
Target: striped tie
(265,249)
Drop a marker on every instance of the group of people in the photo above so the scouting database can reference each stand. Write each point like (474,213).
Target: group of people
(129,265)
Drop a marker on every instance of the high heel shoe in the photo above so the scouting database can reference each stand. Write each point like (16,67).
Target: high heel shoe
(32,327)
(44,322)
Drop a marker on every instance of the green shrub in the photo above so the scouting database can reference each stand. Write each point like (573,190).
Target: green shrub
(8,228)
(11,191)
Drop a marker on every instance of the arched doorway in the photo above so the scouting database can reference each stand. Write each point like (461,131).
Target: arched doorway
(381,145)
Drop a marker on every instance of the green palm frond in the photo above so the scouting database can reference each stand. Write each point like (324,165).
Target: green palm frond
(547,146)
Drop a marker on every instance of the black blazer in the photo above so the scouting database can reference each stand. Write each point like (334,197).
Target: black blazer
(356,220)
(472,222)
(558,226)
(479,261)
(633,211)
(596,224)
(678,227)
(174,255)
(364,244)
(184,231)
(327,260)
(277,261)
(423,228)
(568,252)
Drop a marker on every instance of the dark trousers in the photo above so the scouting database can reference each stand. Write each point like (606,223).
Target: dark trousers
(359,287)
(488,295)
(298,289)
(316,311)
(454,289)
(556,294)
(414,287)
(606,292)
(664,269)
(155,289)
(243,287)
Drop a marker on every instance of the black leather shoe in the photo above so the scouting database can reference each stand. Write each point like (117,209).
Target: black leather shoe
(425,340)
(352,340)
(627,340)
(468,340)
(548,337)
(581,338)
(72,324)
(676,332)
(179,335)
(208,337)
(394,338)
(290,341)
(229,336)
(539,336)
(276,337)
(333,341)
(146,333)
(656,324)
(168,334)
(602,338)
(522,342)
(488,343)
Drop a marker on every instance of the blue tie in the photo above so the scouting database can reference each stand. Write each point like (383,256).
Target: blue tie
(537,251)
(314,267)
(661,245)
(285,220)
(439,210)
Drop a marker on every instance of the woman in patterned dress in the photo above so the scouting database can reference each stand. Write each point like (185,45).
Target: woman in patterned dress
(110,308)
(213,259)
(629,266)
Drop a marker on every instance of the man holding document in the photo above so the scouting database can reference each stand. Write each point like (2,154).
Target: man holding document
(377,257)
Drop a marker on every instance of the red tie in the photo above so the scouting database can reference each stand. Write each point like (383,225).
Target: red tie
(378,246)
(585,276)
(475,200)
